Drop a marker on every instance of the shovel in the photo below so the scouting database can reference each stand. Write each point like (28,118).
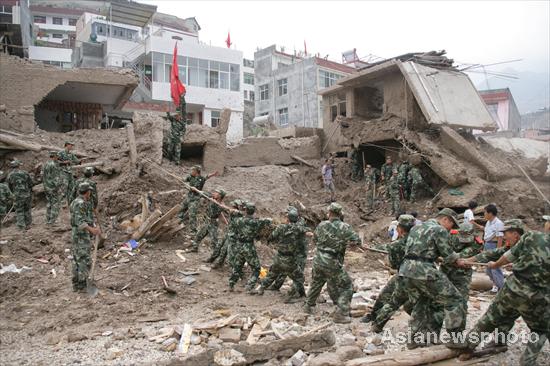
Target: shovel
(90,285)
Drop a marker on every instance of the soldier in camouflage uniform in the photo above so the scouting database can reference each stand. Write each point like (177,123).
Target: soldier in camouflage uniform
(386,172)
(417,183)
(356,166)
(463,243)
(66,158)
(6,199)
(82,230)
(243,250)
(301,258)
(389,300)
(332,238)
(20,183)
(178,127)
(288,236)
(525,293)
(430,286)
(220,252)
(403,173)
(371,176)
(87,178)
(190,204)
(395,196)
(210,228)
(52,180)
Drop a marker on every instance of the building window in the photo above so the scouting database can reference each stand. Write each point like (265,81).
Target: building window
(72,21)
(235,71)
(327,78)
(283,116)
(264,92)
(40,19)
(251,95)
(248,78)
(248,63)
(283,89)
(57,35)
(342,106)
(215,118)
(246,95)
(58,21)
(5,9)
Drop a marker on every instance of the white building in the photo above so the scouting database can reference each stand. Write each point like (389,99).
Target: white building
(248,80)
(213,76)
(54,31)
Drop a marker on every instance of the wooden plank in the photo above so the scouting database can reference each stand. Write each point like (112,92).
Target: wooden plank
(157,225)
(419,356)
(145,226)
(216,324)
(297,158)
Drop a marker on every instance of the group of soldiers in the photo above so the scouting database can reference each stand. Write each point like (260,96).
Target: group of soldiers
(433,260)
(435,296)
(59,184)
(398,182)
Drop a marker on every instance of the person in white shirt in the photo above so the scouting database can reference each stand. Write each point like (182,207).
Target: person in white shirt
(492,238)
(469,213)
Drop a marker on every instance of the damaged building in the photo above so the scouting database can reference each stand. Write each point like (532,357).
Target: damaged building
(417,107)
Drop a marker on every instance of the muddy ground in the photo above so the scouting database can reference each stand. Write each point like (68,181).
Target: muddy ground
(44,322)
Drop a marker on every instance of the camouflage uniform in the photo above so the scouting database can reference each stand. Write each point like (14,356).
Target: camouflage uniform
(243,250)
(220,252)
(190,204)
(20,183)
(52,180)
(386,172)
(417,184)
(464,244)
(390,299)
(356,168)
(403,172)
(332,238)
(69,158)
(395,196)
(287,261)
(178,127)
(94,199)
(210,228)
(430,286)
(81,240)
(372,176)
(526,292)
(6,199)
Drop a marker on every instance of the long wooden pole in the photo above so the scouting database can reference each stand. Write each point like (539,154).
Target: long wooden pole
(179,179)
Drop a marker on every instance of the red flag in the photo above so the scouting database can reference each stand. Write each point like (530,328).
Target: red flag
(228,40)
(305,48)
(176,87)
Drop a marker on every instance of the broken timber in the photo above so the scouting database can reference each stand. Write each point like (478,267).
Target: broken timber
(419,356)
(299,159)
(11,142)
(132,144)
(157,225)
(145,226)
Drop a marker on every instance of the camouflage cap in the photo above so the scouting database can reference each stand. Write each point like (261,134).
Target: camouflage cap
(449,212)
(292,214)
(250,207)
(67,142)
(466,233)
(236,203)
(89,169)
(84,187)
(335,208)
(546,217)
(196,167)
(52,153)
(513,224)
(221,192)
(406,221)
(15,163)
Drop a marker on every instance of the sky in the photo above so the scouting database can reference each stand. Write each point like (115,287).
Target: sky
(471,31)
